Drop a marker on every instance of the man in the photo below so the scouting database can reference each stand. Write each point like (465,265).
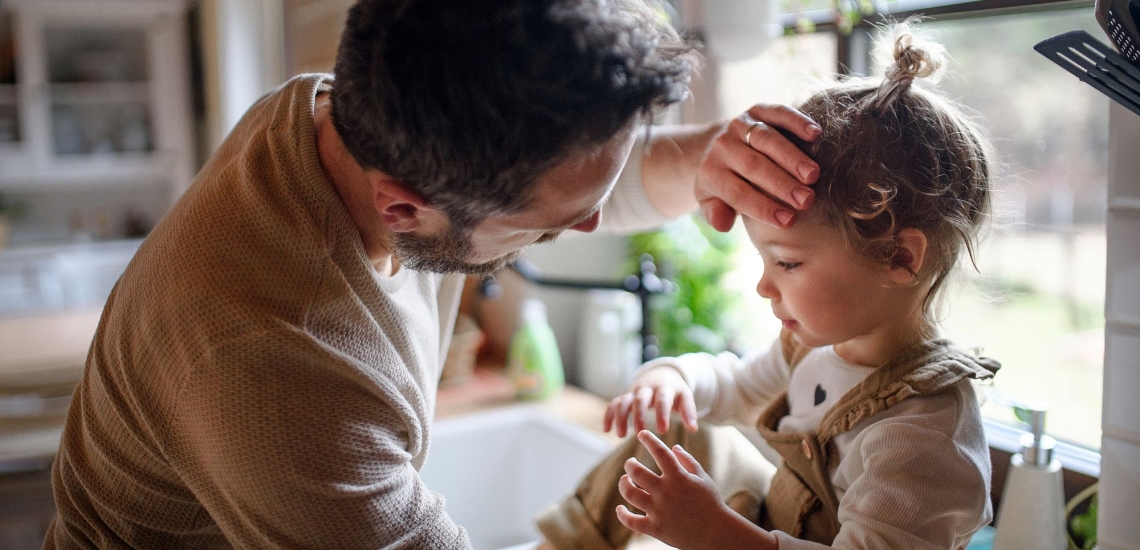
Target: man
(264,373)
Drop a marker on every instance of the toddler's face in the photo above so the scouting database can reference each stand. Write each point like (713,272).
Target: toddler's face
(823,291)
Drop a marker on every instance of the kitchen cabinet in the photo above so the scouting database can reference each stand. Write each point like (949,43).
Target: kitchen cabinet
(94,93)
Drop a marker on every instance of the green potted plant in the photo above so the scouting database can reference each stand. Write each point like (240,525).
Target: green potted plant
(1081,512)
(696,258)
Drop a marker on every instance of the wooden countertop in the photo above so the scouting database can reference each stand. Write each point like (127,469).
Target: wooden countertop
(47,348)
(488,389)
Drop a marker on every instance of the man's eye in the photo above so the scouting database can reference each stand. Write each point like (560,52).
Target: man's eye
(788,266)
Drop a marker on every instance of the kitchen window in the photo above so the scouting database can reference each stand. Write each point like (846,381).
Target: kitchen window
(1037,304)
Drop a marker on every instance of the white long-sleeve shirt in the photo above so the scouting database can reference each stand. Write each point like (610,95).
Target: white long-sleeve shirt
(915,476)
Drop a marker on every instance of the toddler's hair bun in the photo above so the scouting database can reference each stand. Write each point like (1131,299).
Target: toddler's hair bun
(907,56)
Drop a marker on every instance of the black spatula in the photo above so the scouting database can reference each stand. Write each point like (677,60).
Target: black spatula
(1096,64)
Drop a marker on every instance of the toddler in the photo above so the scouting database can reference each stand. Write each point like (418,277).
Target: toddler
(874,415)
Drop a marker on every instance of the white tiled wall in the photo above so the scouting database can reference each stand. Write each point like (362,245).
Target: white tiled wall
(1120,450)
(1120,384)
(1122,298)
(1119,493)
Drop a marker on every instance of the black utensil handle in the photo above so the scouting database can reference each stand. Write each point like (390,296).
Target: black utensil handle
(1091,69)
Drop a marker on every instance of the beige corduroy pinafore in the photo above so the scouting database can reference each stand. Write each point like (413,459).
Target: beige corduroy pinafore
(797,497)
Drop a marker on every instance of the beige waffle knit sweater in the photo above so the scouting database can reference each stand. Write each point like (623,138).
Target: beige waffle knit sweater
(254,383)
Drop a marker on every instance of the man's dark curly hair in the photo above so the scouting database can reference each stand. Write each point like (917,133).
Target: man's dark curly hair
(467,101)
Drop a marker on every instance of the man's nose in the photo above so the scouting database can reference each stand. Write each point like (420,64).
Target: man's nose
(589,225)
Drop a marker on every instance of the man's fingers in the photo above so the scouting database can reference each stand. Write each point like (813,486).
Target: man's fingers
(633,494)
(766,170)
(720,215)
(661,454)
(788,118)
(771,144)
(747,199)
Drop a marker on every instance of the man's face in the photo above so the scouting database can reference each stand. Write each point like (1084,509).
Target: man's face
(566,197)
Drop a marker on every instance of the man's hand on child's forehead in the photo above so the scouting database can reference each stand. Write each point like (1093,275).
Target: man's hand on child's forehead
(755,170)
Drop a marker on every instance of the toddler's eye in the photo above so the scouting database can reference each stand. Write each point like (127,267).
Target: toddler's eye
(788,266)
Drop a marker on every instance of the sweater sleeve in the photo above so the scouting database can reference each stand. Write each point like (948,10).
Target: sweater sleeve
(629,208)
(728,389)
(915,487)
(286,445)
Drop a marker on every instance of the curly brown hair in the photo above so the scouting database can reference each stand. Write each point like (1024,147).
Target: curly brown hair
(895,155)
(467,102)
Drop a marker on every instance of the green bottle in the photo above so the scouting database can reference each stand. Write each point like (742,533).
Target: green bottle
(533,362)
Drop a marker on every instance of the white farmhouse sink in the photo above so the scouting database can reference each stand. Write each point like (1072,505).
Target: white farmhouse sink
(499,469)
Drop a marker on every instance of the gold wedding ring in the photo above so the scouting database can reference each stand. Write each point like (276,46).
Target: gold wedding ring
(748,135)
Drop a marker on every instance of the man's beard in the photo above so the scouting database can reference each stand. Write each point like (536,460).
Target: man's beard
(445,252)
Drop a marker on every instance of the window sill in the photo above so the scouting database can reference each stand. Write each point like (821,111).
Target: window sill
(1081,466)
(1079,459)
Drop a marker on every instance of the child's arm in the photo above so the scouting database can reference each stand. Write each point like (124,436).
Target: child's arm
(917,480)
(682,507)
(722,388)
(731,390)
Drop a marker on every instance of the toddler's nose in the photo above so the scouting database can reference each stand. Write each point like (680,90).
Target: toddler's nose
(766,289)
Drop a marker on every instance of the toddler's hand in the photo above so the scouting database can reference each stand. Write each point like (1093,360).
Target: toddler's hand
(680,506)
(662,389)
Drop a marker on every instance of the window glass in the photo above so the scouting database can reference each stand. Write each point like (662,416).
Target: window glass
(785,72)
(1036,302)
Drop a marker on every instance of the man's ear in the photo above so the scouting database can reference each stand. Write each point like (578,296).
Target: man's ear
(910,251)
(400,209)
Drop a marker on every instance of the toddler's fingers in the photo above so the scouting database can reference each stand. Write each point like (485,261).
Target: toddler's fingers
(641,413)
(642,476)
(661,454)
(664,403)
(688,461)
(633,494)
(621,421)
(611,412)
(634,521)
(688,409)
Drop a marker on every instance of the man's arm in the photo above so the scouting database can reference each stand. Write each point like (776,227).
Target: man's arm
(726,171)
(287,445)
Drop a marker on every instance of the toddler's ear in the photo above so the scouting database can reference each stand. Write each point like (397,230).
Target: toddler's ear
(910,251)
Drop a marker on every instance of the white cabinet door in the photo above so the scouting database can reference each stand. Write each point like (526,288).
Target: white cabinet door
(105,94)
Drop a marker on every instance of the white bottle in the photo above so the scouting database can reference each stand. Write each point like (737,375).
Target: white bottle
(1032,512)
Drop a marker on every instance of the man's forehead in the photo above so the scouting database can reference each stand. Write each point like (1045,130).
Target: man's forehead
(575,189)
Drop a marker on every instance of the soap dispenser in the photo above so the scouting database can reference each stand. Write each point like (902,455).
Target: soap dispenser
(533,361)
(1032,511)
